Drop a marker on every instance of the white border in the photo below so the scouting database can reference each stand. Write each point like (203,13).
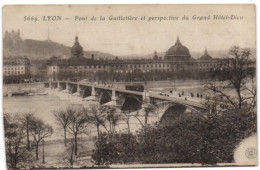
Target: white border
(6,2)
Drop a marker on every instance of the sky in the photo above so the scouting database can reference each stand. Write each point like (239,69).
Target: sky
(136,37)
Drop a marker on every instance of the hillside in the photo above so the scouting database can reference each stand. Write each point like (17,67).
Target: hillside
(13,45)
(35,49)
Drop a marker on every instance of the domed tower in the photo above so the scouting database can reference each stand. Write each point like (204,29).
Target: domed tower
(206,56)
(155,57)
(76,50)
(178,52)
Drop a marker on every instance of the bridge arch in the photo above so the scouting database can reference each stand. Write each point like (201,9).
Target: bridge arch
(105,97)
(62,86)
(168,111)
(131,102)
(73,89)
(86,92)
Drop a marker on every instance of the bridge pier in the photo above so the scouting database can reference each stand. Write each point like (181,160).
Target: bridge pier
(93,92)
(113,102)
(146,96)
(58,85)
(93,96)
(67,85)
(113,98)
(65,95)
(77,92)
(66,88)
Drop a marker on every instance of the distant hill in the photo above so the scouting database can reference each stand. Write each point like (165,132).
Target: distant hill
(13,45)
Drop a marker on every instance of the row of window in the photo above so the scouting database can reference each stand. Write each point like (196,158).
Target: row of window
(81,67)
(141,65)
(13,68)
(129,66)
(144,71)
(210,65)
(116,66)
(150,66)
(121,71)
(14,72)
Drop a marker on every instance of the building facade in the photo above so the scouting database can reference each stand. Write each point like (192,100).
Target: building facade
(16,66)
(176,59)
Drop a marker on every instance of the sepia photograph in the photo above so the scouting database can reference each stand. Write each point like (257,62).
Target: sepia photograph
(129,86)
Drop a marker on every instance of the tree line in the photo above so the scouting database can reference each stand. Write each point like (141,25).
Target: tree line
(77,121)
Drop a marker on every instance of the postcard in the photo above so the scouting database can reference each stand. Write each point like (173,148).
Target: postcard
(129,86)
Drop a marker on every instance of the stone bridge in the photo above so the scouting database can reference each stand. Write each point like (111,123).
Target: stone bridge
(126,99)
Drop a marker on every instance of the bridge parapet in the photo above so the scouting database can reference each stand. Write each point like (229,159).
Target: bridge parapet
(180,101)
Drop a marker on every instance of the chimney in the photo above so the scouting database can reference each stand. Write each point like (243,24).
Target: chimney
(92,57)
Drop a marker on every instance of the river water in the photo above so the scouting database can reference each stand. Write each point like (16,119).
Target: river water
(44,106)
(40,106)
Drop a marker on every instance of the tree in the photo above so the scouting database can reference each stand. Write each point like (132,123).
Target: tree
(39,131)
(119,149)
(237,73)
(126,118)
(68,156)
(148,109)
(97,116)
(63,119)
(113,117)
(15,141)
(28,118)
(78,123)
(193,138)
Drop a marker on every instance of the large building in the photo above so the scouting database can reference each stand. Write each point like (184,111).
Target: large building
(176,59)
(16,66)
(178,52)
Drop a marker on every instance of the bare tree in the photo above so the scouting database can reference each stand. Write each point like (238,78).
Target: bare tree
(97,116)
(237,73)
(15,135)
(28,118)
(113,117)
(68,156)
(39,131)
(148,109)
(78,124)
(63,119)
(126,118)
